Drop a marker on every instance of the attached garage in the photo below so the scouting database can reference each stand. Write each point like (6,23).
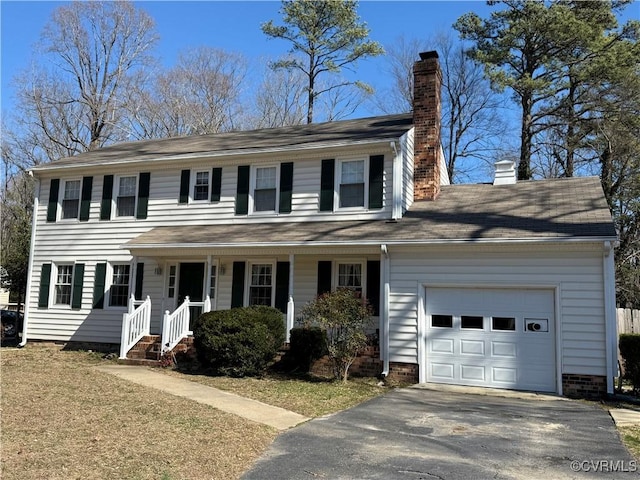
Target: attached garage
(491,337)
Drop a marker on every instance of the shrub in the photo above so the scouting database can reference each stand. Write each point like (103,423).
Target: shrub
(306,344)
(630,352)
(239,342)
(342,315)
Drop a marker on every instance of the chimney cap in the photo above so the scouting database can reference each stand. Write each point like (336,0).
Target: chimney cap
(428,55)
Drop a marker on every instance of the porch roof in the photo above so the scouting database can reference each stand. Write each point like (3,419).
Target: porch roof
(558,209)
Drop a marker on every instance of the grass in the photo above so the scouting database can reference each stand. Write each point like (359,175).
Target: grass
(631,438)
(63,419)
(312,397)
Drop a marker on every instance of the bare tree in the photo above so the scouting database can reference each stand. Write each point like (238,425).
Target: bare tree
(200,95)
(280,99)
(472,125)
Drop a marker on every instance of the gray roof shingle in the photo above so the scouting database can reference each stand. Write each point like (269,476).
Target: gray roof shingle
(317,135)
(544,209)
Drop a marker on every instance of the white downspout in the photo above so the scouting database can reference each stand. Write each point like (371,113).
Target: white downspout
(611,327)
(384,312)
(291,307)
(27,296)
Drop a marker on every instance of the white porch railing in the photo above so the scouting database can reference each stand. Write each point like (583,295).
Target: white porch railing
(136,323)
(176,325)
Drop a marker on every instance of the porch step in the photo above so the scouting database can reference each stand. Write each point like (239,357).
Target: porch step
(148,350)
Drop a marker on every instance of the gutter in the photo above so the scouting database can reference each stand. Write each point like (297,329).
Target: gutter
(27,297)
(611,327)
(384,314)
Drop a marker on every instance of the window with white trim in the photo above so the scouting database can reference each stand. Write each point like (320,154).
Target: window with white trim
(64,279)
(350,275)
(213,279)
(201,185)
(126,196)
(172,281)
(265,189)
(119,290)
(71,199)
(261,284)
(351,183)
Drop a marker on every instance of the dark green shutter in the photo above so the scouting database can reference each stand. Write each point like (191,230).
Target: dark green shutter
(242,191)
(327,185)
(373,285)
(139,279)
(282,286)
(78,280)
(107,195)
(143,195)
(184,186)
(237,285)
(286,187)
(216,184)
(324,277)
(98,285)
(85,200)
(45,282)
(52,208)
(376,169)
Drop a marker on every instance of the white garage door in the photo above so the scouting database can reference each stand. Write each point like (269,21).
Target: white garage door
(503,338)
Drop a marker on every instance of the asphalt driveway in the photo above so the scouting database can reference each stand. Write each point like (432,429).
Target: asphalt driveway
(449,433)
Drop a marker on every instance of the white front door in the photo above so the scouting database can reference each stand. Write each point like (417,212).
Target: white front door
(503,338)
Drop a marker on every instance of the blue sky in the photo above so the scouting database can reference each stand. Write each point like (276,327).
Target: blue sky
(230,25)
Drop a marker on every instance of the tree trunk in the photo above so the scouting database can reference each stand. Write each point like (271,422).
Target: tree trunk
(524,167)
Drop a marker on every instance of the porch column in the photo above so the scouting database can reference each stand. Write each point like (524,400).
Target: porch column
(290,304)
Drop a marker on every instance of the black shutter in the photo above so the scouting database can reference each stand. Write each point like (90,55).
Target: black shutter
(85,199)
(139,278)
(98,285)
(52,208)
(327,185)
(143,195)
(45,282)
(282,286)
(216,184)
(237,285)
(78,280)
(107,195)
(373,285)
(324,277)
(376,169)
(184,186)
(286,187)
(242,192)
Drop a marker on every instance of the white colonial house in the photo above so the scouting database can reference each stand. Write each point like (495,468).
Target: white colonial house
(508,285)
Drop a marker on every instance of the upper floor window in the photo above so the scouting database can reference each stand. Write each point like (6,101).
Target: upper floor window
(63,284)
(265,189)
(351,190)
(71,199)
(119,290)
(126,197)
(201,186)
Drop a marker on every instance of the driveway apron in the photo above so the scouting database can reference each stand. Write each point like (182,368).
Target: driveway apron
(418,433)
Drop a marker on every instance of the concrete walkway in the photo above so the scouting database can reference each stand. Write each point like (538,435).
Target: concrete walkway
(625,417)
(253,410)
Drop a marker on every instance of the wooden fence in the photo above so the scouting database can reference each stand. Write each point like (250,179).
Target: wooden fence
(628,320)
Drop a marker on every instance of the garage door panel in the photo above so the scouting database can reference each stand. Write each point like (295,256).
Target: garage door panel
(481,337)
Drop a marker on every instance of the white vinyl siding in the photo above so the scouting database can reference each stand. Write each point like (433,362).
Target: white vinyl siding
(576,272)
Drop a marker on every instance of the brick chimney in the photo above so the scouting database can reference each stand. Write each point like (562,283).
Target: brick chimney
(427,80)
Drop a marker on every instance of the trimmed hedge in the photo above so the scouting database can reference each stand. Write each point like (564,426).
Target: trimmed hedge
(630,352)
(239,342)
(306,344)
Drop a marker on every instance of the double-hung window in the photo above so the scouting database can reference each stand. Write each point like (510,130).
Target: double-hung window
(265,190)
(119,291)
(126,196)
(261,284)
(63,284)
(71,199)
(201,186)
(352,183)
(350,276)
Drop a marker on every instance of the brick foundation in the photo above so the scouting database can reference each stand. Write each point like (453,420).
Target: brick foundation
(368,364)
(403,372)
(583,386)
